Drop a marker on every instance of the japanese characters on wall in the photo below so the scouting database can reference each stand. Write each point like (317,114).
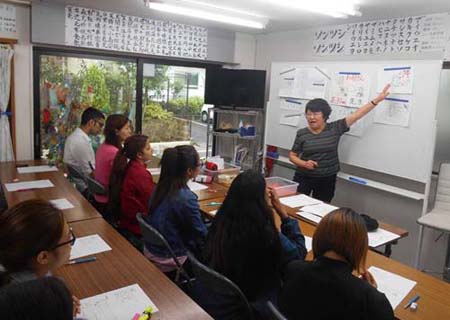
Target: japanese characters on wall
(112,31)
(7,18)
(398,35)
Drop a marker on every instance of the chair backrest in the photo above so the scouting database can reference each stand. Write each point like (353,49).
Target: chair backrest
(274,312)
(95,187)
(443,188)
(217,283)
(152,236)
(75,173)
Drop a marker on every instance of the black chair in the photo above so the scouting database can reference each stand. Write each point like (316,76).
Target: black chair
(152,236)
(95,187)
(75,173)
(3,202)
(274,312)
(217,284)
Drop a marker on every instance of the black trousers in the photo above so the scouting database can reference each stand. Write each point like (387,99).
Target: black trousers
(321,188)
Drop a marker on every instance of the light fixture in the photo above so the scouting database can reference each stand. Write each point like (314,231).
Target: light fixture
(205,15)
(333,8)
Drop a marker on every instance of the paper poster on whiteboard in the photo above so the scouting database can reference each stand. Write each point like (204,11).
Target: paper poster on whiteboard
(310,83)
(394,111)
(349,89)
(287,82)
(290,118)
(340,112)
(401,79)
(293,104)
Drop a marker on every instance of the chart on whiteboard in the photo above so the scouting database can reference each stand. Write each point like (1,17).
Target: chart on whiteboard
(349,89)
(400,78)
(394,111)
(303,83)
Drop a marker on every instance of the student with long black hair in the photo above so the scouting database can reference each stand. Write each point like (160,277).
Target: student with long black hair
(244,244)
(131,185)
(174,209)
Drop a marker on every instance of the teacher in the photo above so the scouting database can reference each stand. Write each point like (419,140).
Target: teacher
(315,150)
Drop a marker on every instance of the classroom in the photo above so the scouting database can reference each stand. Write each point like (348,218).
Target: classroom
(199,159)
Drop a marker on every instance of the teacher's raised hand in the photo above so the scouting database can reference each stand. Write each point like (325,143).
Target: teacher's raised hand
(384,93)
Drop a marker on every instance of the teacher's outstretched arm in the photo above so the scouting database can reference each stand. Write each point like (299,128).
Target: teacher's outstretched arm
(365,109)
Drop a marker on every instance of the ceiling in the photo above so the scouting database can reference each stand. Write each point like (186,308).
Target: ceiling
(280,18)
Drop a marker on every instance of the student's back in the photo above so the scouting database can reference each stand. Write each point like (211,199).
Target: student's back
(327,289)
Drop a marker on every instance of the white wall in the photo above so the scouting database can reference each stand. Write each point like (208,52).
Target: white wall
(443,121)
(245,50)
(396,210)
(23,86)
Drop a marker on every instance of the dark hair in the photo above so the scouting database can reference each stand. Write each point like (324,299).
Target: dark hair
(243,243)
(26,229)
(91,114)
(344,232)
(40,299)
(319,105)
(175,163)
(131,148)
(114,123)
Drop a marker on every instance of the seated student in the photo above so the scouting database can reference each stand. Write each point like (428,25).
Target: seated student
(78,150)
(131,185)
(35,240)
(326,288)
(43,298)
(117,129)
(174,209)
(244,244)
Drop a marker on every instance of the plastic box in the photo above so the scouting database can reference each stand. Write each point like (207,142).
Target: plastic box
(229,169)
(283,187)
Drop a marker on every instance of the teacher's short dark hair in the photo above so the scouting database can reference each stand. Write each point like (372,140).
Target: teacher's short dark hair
(91,114)
(319,105)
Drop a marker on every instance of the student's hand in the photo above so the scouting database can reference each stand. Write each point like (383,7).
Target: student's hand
(76,306)
(310,164)
(384,93)
(367,276)
(276,204)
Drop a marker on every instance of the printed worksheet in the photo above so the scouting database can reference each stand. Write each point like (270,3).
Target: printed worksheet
(400,78)
(89,245)
(394,111)
(36,169)
(299,200)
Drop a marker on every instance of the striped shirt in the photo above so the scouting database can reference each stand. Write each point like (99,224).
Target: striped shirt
(321,147)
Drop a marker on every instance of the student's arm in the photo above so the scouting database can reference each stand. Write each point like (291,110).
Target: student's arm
(365,109)
(197,228)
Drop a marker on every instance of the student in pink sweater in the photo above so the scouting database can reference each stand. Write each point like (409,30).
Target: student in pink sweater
(117,129)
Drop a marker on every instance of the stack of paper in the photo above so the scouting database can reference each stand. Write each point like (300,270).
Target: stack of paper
(26,185)
(310,216)
(87,246)
(36,169)
(395,287)
(62,204)
(380,237)
(300,200)
(194,186)
(308,243)
(118,304)
(320,210)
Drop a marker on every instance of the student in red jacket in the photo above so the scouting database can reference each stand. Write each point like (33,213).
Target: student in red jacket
(133,184)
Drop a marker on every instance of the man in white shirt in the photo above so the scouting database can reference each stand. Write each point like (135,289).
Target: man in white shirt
(78,151)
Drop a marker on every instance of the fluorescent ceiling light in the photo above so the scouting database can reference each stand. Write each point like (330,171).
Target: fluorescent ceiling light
(201,14)
(239,11)
(334,8)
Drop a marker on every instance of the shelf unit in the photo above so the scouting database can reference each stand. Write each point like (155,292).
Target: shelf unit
(225,143)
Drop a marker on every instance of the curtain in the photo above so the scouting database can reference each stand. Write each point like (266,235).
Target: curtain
(6,149)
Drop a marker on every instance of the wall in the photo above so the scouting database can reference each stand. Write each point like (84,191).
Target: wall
(245,50)
(23,85)
(297,46)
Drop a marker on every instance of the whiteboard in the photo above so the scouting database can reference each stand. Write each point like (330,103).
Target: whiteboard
(405,152)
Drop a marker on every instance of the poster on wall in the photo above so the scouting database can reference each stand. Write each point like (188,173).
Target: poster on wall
(113,31)
(7,18)
(400,78)
(397,35)
(287,82)
(310,83)
(394,111)
(349,89)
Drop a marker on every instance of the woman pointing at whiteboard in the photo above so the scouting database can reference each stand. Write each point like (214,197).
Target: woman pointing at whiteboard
(315,149)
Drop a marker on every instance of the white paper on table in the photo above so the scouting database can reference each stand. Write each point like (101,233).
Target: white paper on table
(194,186)
(310,216)
(299,200)
(34,169)
(395,287)
(36,184)
(154,171)
(118,304)
(380,237)
(308,243)
(62,204)
(213,212)
(321,209)
(89,245)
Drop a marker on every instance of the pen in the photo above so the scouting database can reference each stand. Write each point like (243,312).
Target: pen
(413,299)
(82,260)
(211,204)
